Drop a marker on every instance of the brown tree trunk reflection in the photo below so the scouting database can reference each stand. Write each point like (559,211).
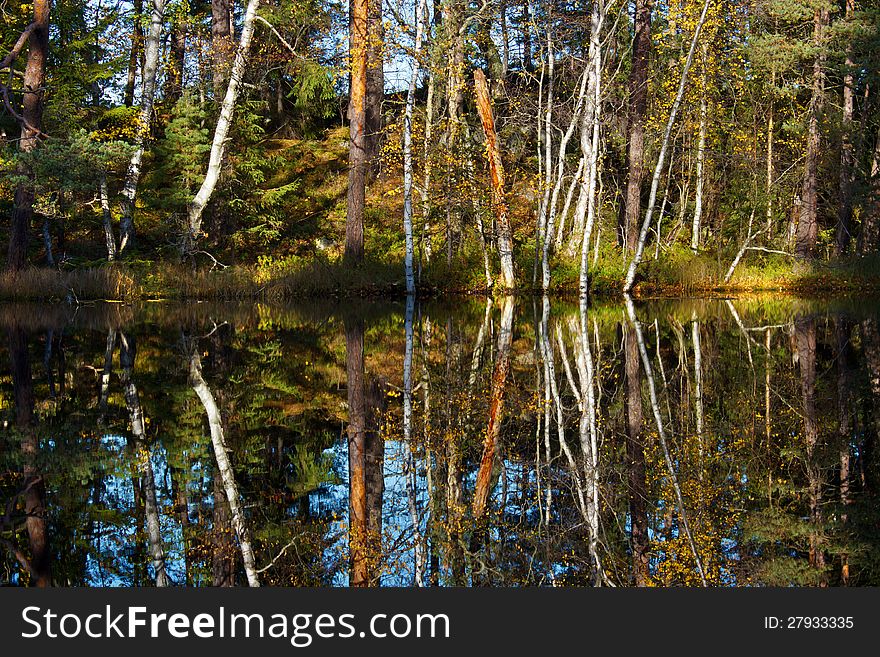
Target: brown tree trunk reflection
(143,457)
(635,452)
(842,332)
(805,337)
(496,409)
(366,451)
(871,347)
(39,563)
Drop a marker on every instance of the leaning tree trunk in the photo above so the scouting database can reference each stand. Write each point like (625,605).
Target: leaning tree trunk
(31,121)
(148,93)
(221,456)
(661,160)
(224,122)
(496,170)
(661,434)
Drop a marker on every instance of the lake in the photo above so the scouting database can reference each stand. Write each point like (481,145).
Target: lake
(519,442)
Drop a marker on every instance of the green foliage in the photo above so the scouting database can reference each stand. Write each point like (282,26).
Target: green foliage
(182,155)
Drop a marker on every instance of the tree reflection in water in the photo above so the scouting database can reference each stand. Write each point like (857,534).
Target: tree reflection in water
(477,443)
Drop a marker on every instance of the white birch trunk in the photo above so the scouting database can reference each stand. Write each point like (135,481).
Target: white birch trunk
(107,219)
(598,18)
(698,386)
(148,93)
(701,163)
(407,150)
(224,122)
(221,455)
(410,462)
(553,200)
(427,147)
(575,184)
(144,463)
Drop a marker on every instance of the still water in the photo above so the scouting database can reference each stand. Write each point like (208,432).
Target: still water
(523,442)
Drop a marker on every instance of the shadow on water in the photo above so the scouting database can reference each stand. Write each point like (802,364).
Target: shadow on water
(514,442)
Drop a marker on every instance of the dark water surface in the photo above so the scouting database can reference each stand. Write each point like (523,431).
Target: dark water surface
(526,442)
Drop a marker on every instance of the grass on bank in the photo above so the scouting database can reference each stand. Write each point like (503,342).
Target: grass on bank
(678,274)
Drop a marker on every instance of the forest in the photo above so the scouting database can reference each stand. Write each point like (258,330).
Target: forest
(178,148)
(450,293)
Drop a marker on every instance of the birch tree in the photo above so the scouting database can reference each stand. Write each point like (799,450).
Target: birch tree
(221,131)
(407,148)
(127,354)
(224,466)
(148,94)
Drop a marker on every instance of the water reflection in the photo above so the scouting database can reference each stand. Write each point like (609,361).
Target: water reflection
(480,443)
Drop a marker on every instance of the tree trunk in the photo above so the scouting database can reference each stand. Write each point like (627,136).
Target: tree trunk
(701,161)
(869,238)
(427,149)
(638,110)
(39,564)
(143,456)
(359,574)
(805,336)
(222,44)
(107,219)
(808,222)
(375,89)
(661,160)
(496,410)
(590,139)
(496,170)
(31,130)
(134,56)
(357,150)
(847,156)
(148,94)
(769,169)
(221,131)
(176,62)
(221,458)
(407,150)
(635,452)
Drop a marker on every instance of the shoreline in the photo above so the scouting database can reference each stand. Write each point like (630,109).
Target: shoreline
(124,283)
